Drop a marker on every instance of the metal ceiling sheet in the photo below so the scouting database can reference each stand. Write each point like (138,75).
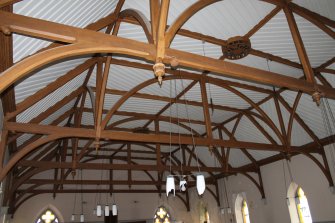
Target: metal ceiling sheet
(78,13)
(259,155)
(324,7)
(320,47)
(275,38)
(169,88)
(51,99)
(309,112)
(196,46)
(237,158)
(330,77)
(219,95)
(269,130)
(228,18)
(142,106)
(171,127)
(248,132)
(42,78)
(183,111)
(123,78)
(272,66)
(134,32)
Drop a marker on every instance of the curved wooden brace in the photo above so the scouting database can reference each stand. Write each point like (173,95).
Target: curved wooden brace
(114,45)
(216,197)
(184,17)
(141,19)
(259,187)
(255,106)
(20,181)
(132,162)
(21,202)
(184,201)
(322,168)
(290,123)
(20,154)
(138,118)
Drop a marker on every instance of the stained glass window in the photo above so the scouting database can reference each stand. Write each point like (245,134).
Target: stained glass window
(47,217)
(162,215)
(303,207)
(245,212)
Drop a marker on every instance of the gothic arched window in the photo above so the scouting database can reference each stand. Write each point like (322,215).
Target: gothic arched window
(162,215)
(47,216)
(303,207)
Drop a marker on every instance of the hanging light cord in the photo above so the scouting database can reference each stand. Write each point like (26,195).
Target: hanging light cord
(289,170)
(75,198)
(189,122)
(170,111)
(178,123)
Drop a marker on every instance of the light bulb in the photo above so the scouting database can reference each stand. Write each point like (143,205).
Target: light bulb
(182,185)
(170,185)
(106,210)
(114,209)
(201,184)
(99,210)
(82,218)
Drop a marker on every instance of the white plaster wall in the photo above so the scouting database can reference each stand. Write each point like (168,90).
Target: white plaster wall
(306,174)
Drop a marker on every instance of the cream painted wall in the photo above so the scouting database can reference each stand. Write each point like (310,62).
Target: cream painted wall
(305,173)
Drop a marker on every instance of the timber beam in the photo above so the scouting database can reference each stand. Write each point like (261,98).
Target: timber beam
(65,132)
(86,41)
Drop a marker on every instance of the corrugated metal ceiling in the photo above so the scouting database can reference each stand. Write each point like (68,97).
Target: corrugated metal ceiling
(223,20)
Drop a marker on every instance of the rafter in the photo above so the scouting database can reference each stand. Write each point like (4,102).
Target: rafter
(119,45)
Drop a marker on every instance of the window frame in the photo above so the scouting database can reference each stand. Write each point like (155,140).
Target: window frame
(40,220)
(158,219)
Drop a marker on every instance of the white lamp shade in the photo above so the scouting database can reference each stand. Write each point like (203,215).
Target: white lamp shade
(99,210)
(106,210)
(114,210)
(82,218)
(201,185)
(182,185)
(170,185)
(72,217)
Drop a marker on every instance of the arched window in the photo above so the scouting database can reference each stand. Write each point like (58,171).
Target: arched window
(245,212)
(241,209)
(303,207)
(162,215)
(298,205)
(47,216)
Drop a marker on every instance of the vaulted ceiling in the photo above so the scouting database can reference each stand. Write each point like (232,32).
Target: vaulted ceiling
(87,84)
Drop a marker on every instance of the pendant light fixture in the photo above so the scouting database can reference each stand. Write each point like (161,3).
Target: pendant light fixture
(114,209)
(200,178)
(201,184)
(106,210)
(99,210)
(170,185)
(107,206)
